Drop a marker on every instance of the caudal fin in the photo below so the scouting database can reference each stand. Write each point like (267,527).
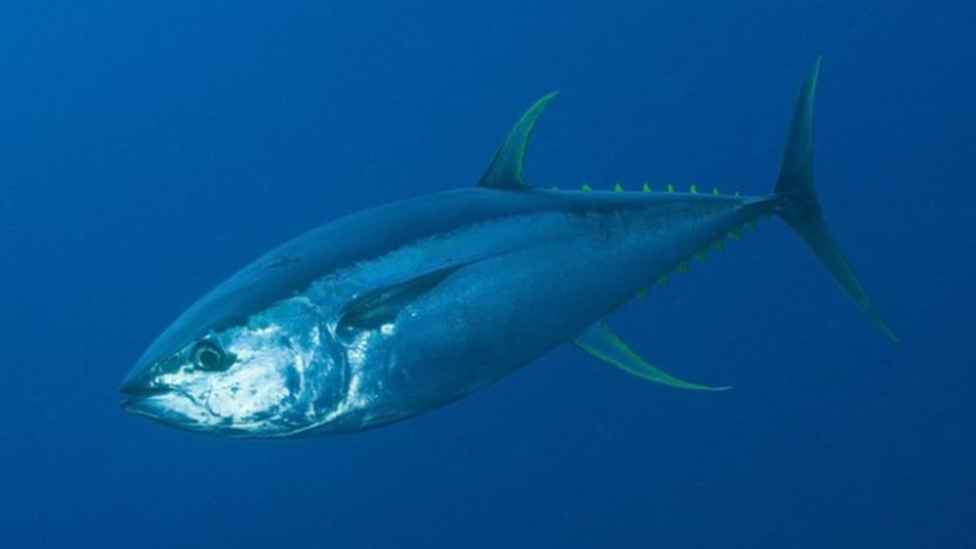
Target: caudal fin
(799,207)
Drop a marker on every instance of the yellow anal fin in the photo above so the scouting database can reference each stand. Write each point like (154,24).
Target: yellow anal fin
(605,345)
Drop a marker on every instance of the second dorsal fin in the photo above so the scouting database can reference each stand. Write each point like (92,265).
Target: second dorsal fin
(505,170)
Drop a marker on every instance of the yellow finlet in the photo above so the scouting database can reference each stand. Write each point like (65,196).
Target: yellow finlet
(586,188)
(618,188)
(646,188)
(693,189)
(670,188)
(682,267)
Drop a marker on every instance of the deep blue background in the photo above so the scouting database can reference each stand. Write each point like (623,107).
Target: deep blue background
(149,149)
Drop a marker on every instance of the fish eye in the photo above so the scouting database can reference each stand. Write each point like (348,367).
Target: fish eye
(207,355)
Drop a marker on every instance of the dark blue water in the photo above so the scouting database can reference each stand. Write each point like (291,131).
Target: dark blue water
(148,150)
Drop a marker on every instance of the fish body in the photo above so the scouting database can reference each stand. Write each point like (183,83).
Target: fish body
(400,309)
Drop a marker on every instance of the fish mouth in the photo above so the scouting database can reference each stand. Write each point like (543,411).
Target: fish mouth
(139,397)
(139,386)
(135,399)
(172,408)
(131,391)
(165,404)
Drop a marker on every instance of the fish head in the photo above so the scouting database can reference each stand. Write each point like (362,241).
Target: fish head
(273,373)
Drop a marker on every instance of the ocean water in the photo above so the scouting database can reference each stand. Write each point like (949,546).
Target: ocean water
(150,149)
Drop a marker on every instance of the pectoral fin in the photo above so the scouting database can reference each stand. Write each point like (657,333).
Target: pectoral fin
(600,342)
(381,306)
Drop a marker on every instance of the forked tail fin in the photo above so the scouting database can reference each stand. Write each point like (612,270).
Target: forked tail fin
(798,204)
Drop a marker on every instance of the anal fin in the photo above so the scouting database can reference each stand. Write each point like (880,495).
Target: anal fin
(605,345)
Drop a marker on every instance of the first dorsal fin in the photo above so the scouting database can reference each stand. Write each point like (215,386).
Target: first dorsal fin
(505,170)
